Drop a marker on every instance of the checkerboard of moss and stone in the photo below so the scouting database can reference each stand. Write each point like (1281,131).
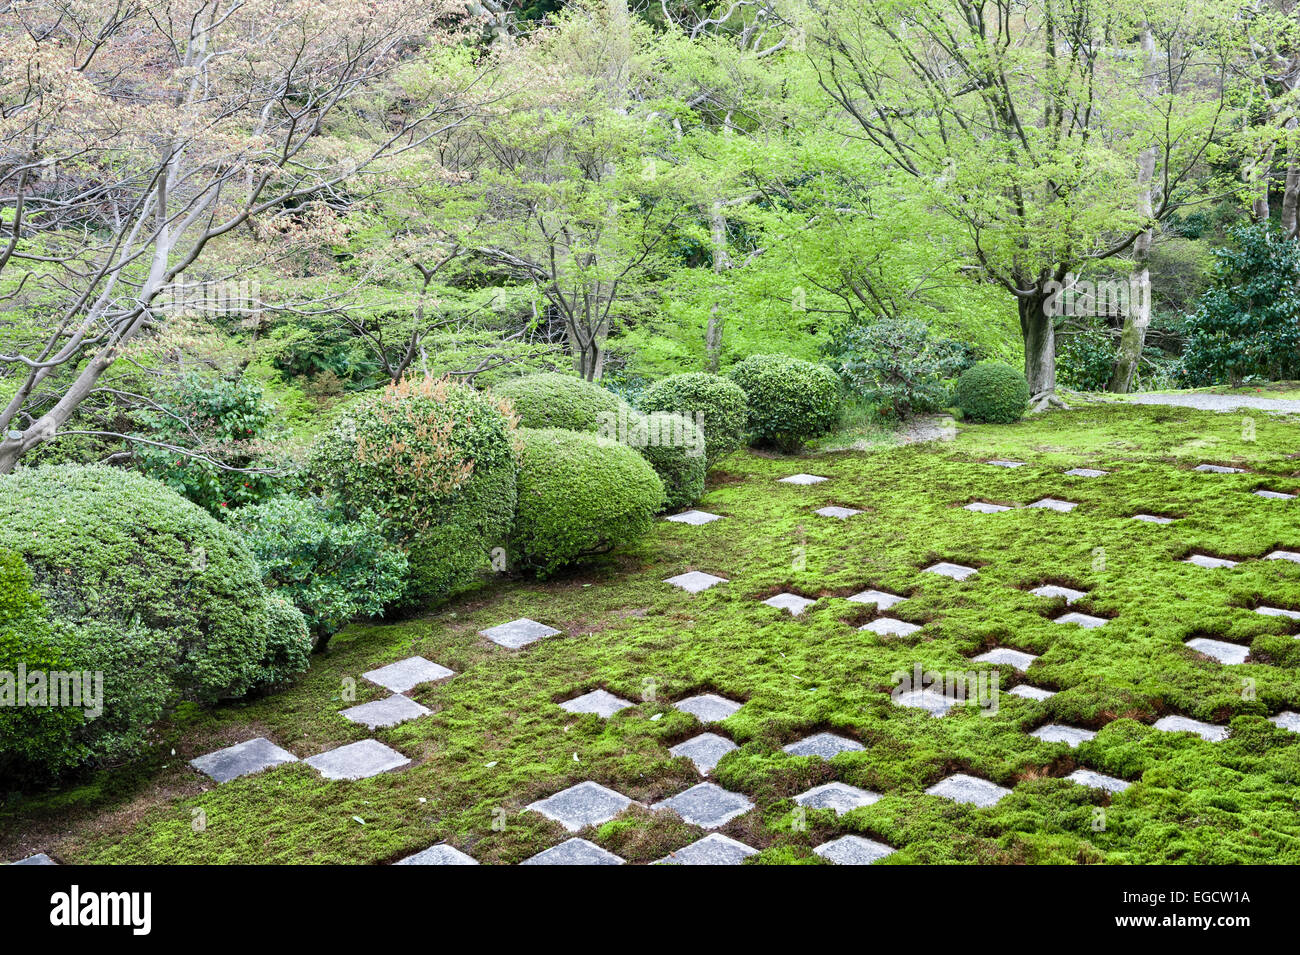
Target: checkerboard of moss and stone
(496,738)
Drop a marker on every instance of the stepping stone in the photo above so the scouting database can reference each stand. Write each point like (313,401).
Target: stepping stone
(983,507)
(39,859)
(575,852)
(791,602)
(955,571)
(936,704)
(695,581)
(1085,620)
(1086,777)
(704,751)
(1086,472)
(843,513)
(242,759)
(713,849)
(411,672)
(1288,720)
(1204,560)
(586,804)
(600,702)
(1274,495)
(1284,555)
(438,855)
(357,760)
(708,707)
(1218,469)
(694,518)
(1055,504)
(802,479)
(838,796)
(706,805)
(853,850)
(1007,464)
(888,626)
(882,600)
(1278,612)
(1072,736)
(1028,692)
(969,789)
(1052,591)
(1221,650)
(824,745)
(1014,658)
(387,712)
(518,633)
(1185,724)
(1153,518)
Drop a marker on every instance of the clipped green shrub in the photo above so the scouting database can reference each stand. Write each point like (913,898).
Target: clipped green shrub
(552,400)
(714,403)
(992,392)
(790,400)
(579,495)
(675,449)
(288,641)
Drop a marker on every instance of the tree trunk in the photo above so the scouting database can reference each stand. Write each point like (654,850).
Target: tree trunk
(721,262)
(1291,197)
(1039,333)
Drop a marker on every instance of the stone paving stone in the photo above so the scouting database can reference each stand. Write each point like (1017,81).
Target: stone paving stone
(853,850)
(1072,736)
(706,805)
(586,804)
(969,789)
(39,859)
(704,750)
(242,759)
(1205,560)
(601,702)
(386,712)
(1031,692)
(791,602)
(838,796)
(1085,620)
(955,571)
(843,513)
(984,507)
(708,707)
(713,849)
(1221,650)
(1218,469)
(575,852)
(1278,612)
(1185,724)
(1086,777)
(1153,518)
(438,855)
(1007,464)
(824,745)
(1014,658)
(1283,555)
(889,627)
(1274,495)
(357,760)
(1052,590)
(1055,504)
(936,704)
(411,672)
(1086,472)
(1288,720)
(880,598)
(694,518)
(518,633)
(803,479)
(695,581)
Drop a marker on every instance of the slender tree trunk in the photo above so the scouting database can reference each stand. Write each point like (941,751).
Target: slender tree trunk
(1291,198)
(721,262)
(1039,332)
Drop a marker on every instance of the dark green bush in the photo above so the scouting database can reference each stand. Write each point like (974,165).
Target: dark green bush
(675,449)
(716,404)
(1085,360)
(992,392)
(551,400)
(790,400)
(579,495)
(897,367)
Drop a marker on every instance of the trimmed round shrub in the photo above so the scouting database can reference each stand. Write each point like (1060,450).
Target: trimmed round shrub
(579,495)
(992,392)
(790,400)
(552,400)
(714,403)
(288,643)
(675,449)
(436,461)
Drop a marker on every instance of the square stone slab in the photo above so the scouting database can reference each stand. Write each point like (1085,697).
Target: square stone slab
(1007,464)
(713,849)
(1278,612)
(704,751)
(1205,560)
(357,760)
(1052,591)
(708,707)
(438,855)
(1288,720)
(1185,724)
(824,745)
(39,859)
(1221,650)
(1283,555)
(843,513)
(1218,469)
(707,805)
(936,704)
(1153,518)
(838,796)
(242,759)
(1086,472)
(983,507)
(1071,736)
(1086,777)
(1274,495)
(880,598)
(1055,504)
(1014,658)
(888,626)
(386,712)
(969,789)
(518,633)
(791,602)
(575,852)
(1028,692)
(694,581)
(601,702)
(1085,620)
(955,571)
(803,479)
(853,850)
(586,804)
(406,674)
(694,518)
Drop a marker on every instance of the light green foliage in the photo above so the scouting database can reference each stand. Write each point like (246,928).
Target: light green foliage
(992,392)
(790,401)
(552,400)
(675,449)
(716,403)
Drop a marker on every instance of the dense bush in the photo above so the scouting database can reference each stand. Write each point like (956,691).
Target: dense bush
(579,495)
(675,449)
(550,400)
(715,403)
(790,400)
(897,367)
(1085,360)
(992,392)
(436,460)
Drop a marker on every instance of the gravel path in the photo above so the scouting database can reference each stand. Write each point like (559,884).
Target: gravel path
(1208,402)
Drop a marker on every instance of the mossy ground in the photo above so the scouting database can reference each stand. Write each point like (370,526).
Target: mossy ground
(497,740)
